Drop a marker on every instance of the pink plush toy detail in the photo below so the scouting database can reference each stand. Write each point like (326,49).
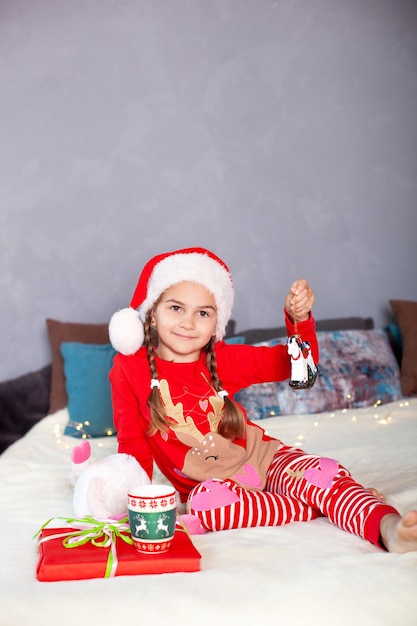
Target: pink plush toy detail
(100,487)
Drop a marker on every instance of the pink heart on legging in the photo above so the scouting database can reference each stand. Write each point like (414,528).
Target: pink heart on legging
(217,494)
(322,477)
(250,477)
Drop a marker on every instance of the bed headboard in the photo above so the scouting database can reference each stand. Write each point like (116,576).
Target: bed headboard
(257,335)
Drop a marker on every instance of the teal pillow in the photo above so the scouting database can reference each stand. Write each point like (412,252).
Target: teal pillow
(235,339)
(396,341)
(86,369)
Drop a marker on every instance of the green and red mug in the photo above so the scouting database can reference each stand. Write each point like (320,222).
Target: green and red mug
(152,515)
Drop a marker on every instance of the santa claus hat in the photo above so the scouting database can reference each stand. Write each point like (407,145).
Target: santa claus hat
(196,265)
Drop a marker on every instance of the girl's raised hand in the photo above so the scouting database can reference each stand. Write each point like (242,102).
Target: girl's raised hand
(299,300)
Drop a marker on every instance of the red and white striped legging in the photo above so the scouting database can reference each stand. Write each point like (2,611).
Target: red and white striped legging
(299,487)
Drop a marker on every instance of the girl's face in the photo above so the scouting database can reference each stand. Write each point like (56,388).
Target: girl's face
(185,319)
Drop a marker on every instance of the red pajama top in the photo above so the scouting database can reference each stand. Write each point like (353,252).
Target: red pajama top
(192,450)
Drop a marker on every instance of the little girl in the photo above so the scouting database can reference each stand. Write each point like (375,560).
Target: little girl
(173,385)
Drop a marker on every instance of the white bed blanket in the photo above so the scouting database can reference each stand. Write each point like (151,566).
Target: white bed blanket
(310,573)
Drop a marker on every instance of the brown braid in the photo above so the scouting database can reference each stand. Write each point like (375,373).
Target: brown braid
(233,422)
(158,415)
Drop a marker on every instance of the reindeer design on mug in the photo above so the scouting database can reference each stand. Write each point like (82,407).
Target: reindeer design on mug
(161,525)
(141,526)
(213,456)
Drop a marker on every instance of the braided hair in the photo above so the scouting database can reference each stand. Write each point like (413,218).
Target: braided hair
(158,414)
(233,421)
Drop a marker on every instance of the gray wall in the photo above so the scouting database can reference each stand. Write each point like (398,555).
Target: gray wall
(281,134)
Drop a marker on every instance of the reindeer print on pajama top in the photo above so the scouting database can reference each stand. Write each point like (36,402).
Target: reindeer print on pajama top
(209,454)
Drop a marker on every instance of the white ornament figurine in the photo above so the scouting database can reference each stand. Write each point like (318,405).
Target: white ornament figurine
(303,368)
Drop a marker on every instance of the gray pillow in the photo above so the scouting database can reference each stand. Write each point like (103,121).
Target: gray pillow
(23,402)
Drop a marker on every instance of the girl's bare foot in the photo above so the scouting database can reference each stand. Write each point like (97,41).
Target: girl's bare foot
(376,493)
(399,534)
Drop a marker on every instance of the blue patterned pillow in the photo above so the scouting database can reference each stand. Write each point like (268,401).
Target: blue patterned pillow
(357,368)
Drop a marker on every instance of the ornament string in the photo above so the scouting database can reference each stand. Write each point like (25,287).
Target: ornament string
(295,325)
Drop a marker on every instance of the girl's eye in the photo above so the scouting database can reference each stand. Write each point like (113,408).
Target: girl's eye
(175,307)
(204,314)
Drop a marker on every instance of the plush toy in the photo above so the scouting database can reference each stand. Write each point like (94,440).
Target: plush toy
(101,487)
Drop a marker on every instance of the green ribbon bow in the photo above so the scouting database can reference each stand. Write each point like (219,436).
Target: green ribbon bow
(102,534)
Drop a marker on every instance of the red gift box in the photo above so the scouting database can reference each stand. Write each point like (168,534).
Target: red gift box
(57,562)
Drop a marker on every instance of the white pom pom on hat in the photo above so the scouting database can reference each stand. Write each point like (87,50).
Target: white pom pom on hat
(126,331)
(196,265)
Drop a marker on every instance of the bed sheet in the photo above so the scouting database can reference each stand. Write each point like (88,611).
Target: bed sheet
(300,573)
